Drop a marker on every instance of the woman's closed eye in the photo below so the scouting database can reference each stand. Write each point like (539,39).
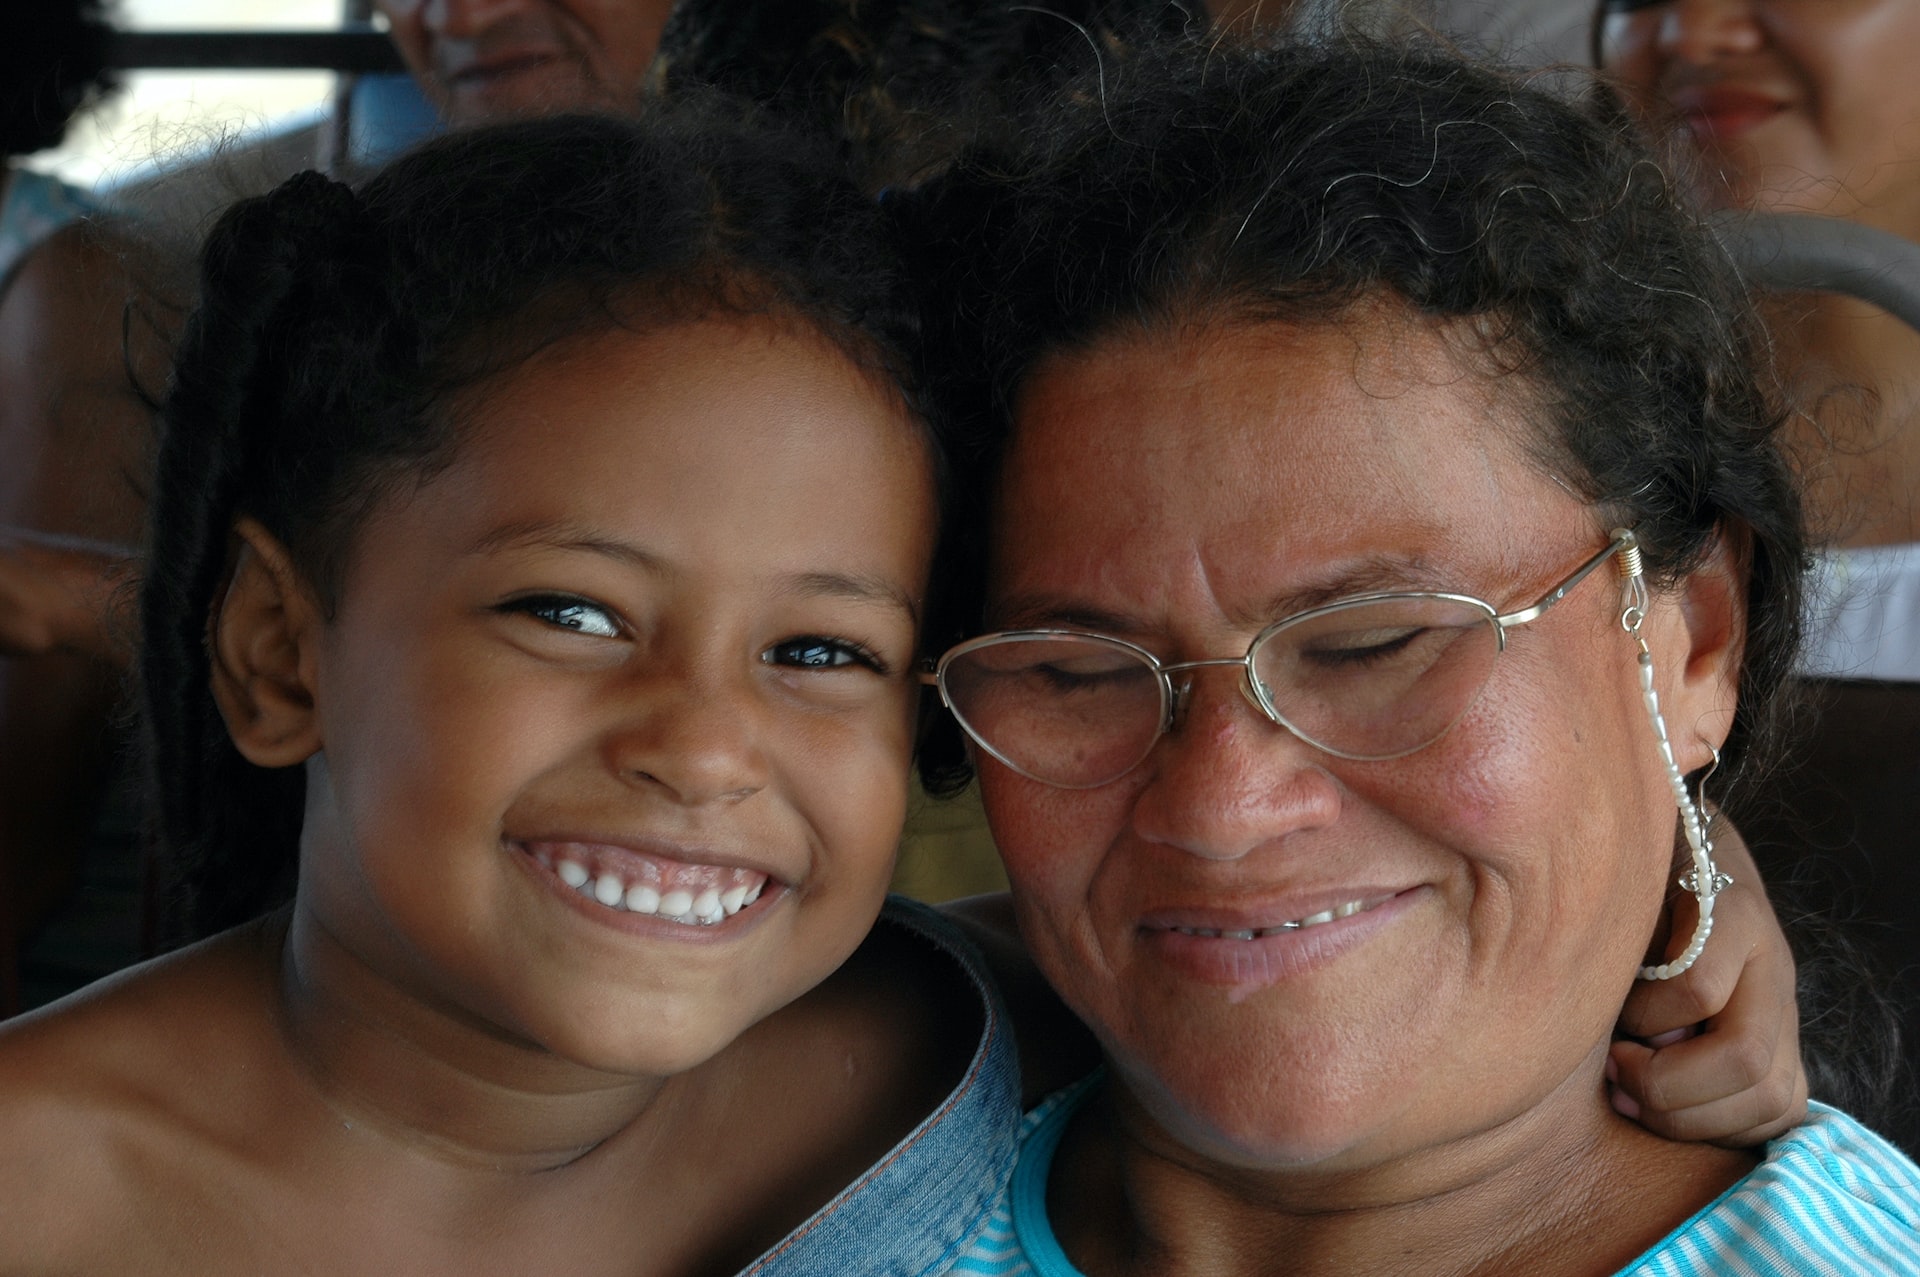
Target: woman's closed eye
(567,612)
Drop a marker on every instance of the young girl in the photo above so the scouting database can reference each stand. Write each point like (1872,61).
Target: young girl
(542,541)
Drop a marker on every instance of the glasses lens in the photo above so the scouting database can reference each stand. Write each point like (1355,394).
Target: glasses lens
(1379,679)
(1071,711)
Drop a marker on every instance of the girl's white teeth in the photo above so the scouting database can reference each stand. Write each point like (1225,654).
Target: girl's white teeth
(709,906)
(1346,910)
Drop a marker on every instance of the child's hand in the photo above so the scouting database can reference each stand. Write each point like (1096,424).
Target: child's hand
(1718,1050)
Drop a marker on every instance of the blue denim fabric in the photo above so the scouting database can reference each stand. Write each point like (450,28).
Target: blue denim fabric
(914,1211)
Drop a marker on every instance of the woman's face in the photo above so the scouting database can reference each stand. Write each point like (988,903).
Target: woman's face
(1809,105)
(1185,490)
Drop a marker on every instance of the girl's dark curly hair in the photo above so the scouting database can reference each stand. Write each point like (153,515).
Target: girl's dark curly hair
(1208,179)
(53,64)
(335,330)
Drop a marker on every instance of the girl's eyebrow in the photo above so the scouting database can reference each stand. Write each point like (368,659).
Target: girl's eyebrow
(855,587)
(542,534)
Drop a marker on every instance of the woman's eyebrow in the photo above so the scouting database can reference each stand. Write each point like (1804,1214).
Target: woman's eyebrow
(1368,576)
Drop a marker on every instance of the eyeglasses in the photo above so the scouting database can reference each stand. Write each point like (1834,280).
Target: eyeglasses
(1372,676)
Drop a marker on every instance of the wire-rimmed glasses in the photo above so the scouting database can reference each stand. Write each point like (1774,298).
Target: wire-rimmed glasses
(1371,677)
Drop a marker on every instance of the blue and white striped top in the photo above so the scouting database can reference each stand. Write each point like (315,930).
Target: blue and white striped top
(1830,1198)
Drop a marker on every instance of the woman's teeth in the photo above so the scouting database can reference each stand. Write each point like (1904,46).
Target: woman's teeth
(1346,910)
(702,907)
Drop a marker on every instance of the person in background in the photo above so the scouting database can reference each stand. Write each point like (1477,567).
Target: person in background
(485,60)
(1812,107)
(73,448)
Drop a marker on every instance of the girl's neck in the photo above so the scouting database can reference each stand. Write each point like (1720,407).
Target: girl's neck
(1852,375)
(1565,1187)
(433,1079)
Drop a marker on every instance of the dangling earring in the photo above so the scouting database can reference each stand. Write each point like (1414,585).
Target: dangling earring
(1704,880)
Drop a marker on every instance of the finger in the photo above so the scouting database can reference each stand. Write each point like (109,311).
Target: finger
(1746,958)
(1742,1120)
(1686,1085)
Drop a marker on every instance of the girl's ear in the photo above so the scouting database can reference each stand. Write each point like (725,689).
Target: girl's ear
(262,639)
(1713,612)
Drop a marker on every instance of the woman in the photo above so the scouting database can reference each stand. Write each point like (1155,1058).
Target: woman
(1799,106)
(1405,396)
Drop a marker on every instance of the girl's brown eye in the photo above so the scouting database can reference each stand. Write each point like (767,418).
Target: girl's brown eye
(567,613)
(814,652)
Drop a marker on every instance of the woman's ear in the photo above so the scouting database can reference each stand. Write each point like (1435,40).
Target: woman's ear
(1706,687)
(262,639)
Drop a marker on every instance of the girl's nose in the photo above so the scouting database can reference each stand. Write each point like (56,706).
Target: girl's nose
(1702,31)
(693,743)
(1227,780)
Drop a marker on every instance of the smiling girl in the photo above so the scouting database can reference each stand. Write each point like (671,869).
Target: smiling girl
(542,540)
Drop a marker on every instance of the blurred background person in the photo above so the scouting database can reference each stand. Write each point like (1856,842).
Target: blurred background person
(73,448)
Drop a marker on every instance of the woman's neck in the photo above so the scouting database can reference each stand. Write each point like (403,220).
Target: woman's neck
(1852,374)
(1567,1187)
(435,1080)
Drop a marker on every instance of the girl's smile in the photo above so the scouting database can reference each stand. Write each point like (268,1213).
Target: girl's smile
(632,671)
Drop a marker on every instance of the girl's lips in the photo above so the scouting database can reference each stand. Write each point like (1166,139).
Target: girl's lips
(644,895)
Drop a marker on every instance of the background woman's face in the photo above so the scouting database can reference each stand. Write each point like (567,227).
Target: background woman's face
(1794,104)
(1185,490)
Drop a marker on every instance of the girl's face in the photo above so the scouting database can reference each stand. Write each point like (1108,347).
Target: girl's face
(1293,958)
(617,708)
(1793,104)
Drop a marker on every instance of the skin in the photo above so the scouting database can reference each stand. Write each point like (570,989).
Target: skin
(1807,106)
(482,60)
(443,1059)
(1314,1094)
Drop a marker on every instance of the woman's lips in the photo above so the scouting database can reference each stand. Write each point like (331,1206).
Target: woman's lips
(1244,952)
(1723,113)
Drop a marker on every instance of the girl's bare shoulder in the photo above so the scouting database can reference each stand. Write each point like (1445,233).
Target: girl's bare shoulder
(112,1101)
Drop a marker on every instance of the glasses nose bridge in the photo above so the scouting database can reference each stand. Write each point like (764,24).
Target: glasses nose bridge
(1179,689)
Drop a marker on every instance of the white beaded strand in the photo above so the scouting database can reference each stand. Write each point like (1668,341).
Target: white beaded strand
(1704,881)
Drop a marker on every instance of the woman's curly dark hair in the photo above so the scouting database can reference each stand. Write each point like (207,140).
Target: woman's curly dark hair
(336,329)
(1287,182)
(900,84)
(54,63)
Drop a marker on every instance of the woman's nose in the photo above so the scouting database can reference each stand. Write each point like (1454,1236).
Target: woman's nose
(693,742)
(1701,31)
(1227,780)
(465,19)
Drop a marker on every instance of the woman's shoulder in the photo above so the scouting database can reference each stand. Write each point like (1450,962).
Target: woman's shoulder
(106,1096)
(1830,1196)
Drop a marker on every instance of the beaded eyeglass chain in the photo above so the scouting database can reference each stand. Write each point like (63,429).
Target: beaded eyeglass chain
(1704,881)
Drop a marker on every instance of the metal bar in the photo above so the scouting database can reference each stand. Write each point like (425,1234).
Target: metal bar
(367,51)
(1803,253)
